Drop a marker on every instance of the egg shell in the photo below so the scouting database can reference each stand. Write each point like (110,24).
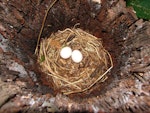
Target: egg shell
(77,56)
(65,52)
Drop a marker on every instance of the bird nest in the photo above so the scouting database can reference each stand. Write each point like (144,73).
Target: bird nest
(68,76)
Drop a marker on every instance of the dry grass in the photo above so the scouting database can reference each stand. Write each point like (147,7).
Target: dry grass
(69,77)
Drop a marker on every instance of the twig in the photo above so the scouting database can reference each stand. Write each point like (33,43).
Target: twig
(139,77)
(43,23)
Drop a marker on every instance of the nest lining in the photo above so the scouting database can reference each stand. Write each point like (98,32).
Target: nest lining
(69,77)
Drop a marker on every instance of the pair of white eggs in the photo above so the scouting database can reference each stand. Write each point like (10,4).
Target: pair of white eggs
(67,52)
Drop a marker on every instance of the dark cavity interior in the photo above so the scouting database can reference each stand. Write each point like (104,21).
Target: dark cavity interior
(91,17)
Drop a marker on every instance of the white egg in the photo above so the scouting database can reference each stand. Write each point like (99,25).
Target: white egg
(77,56)
(65,52)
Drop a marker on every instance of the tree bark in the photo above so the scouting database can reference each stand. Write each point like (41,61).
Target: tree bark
(124,35)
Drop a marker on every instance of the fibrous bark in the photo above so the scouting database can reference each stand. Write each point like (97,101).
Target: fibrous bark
(124,36)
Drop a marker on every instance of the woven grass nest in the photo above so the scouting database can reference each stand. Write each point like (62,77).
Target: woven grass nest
(67,76)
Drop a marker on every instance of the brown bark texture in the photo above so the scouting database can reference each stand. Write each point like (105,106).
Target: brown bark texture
(127,38)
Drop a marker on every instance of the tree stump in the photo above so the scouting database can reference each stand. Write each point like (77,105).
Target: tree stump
(23,86)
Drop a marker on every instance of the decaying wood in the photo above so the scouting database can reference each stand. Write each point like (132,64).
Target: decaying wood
(124,36)
(7,92)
